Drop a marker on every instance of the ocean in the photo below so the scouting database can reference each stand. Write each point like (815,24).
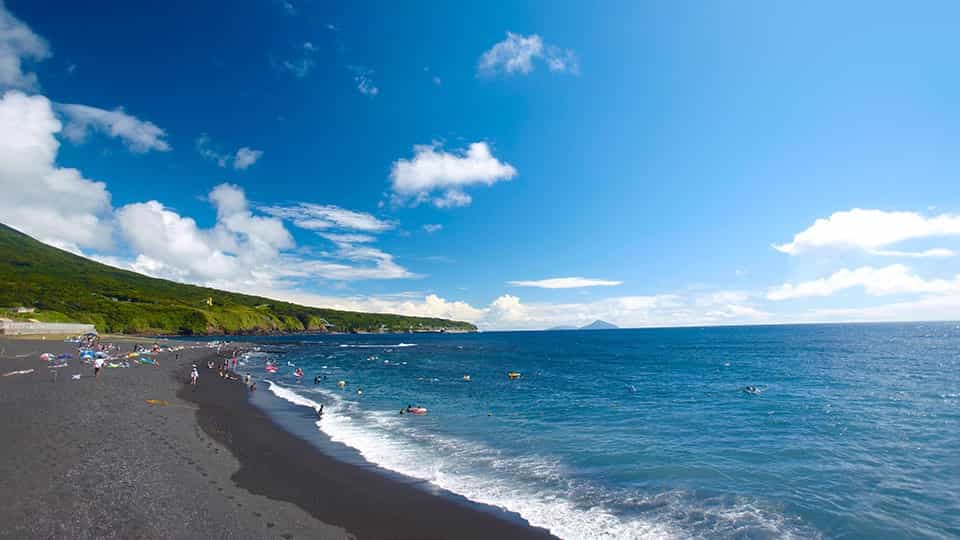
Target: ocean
(812,431)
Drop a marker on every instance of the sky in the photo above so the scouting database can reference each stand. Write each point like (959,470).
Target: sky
(516,165)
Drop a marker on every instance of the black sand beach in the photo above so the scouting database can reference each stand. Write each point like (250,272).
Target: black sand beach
(92,459)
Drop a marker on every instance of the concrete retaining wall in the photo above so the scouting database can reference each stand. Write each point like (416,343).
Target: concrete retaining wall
(27,328)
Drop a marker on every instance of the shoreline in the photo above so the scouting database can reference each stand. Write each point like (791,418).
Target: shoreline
(367,501)
(92,458)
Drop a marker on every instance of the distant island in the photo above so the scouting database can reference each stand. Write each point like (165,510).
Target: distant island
(595,325)
(41,283)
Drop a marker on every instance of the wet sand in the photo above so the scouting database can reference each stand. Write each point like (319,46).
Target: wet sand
(92,459)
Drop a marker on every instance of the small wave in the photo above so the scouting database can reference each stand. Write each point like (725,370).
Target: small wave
(291,396)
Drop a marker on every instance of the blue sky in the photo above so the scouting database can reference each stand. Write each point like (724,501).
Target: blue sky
(519,166)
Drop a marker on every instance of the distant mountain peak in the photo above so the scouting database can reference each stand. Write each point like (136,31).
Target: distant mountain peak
(599,325)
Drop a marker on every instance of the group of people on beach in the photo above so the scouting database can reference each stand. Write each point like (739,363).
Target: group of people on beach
(226,369)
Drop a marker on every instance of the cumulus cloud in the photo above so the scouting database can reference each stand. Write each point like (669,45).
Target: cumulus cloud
(566,283)
(241,160)
(18,44)
(245,157)
(138,135)
(873,230)
(433,227)
(242,251)
(320,217)
(889,280)
(519,54)
(432,170)
(238,247)
(55,204)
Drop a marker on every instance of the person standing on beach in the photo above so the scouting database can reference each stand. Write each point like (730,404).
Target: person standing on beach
(194,376)
(97,366)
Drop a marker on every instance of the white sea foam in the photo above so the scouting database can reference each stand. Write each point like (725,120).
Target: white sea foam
(533,486)
(375,346)
(388,441)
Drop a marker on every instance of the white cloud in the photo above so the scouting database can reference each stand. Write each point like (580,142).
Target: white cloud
(518,54)
(320,217)
(936,252)
(57,205)
(431,170)
(872,230)
(246,157)
(364,79)
(243,159)
(242,251)
(302,63)
(348,238)
(138,135)
(433,227)
(509,312)
(889,280)
(238,247)
(928,308)
(170,245)
(452,199)
(723,297)
(562,60)
(18,44)
(566,283)
(373,264)
(203,146)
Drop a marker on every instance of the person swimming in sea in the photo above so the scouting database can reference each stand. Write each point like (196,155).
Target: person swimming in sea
(319,411)
(316,380)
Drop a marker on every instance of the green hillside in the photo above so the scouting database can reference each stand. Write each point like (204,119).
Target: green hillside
(65,287)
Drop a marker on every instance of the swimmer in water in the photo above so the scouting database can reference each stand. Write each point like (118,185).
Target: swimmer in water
(320,411)
(316,380)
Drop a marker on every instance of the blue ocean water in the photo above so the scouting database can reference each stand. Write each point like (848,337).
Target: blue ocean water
(852,431)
